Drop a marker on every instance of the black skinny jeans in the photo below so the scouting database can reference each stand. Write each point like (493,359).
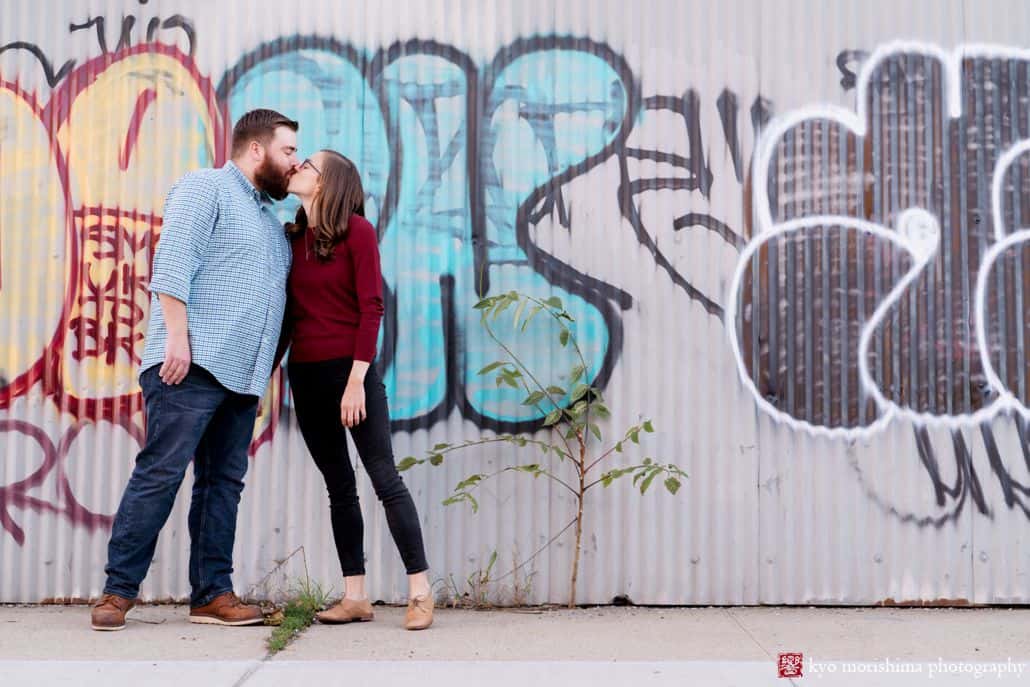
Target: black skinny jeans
(317,390)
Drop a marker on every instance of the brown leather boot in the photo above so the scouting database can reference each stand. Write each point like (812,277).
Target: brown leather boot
(347,611)
(227,609)
(420,612)
(109,613)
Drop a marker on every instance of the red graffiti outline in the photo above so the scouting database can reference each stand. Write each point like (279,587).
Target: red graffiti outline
(40,369)
(57,112)
(14,494)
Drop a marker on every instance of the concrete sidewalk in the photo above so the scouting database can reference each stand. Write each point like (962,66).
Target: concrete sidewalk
(43,645)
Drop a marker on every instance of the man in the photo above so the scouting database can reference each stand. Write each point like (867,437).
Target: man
(217,300)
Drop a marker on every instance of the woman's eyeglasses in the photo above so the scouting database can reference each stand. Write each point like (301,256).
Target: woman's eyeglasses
(310,164)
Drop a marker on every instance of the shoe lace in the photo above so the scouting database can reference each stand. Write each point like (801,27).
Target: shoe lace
(109,600)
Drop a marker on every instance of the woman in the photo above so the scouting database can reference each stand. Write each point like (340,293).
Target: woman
(335,306)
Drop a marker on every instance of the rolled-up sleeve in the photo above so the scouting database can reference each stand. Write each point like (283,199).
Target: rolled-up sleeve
(190,213)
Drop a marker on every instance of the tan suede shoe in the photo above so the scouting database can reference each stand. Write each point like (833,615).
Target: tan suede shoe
(347,611)
(420,613)
(227,609)
(109,613)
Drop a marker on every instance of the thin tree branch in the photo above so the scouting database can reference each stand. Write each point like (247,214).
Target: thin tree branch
(537,552)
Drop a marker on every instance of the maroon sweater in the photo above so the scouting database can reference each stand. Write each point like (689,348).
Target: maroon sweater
(334,307)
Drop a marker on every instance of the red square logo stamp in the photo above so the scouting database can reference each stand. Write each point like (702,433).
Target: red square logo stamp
(789,665)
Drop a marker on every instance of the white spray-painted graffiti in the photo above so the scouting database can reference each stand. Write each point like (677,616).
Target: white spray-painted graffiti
(864,296)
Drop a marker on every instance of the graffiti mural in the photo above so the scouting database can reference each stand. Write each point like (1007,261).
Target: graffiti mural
(839,266)
(460,160)
(882,282)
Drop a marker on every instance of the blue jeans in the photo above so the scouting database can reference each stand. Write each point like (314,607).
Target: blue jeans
(199,419)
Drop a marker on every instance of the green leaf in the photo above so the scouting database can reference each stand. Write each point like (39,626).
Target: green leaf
(469,481)
(518,313)
(601,410)
(554,302)
(439,447)
(491,367)
(510,381)
(499,380)
(563,336)
(647,481)
(635,436)
(555,390)
(595,430)
(502,306)
(552,417)
(577,373)
(407,463)
(672,484)
(532,467)
(647,461)
(618,447)
(463,496)
(484,303)
(612,475)
(532,314)
(534,398)
(648,427)
(579,392)
(435,459)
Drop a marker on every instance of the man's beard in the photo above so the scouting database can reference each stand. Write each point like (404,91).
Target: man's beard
(272,181)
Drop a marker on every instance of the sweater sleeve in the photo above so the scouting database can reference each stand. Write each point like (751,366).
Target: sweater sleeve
(368,279)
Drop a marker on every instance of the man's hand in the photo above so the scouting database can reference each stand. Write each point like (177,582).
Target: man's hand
(177,359)
(352,405)
(177,349)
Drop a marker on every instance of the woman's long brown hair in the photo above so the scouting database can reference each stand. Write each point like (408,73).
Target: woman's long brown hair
(340,195)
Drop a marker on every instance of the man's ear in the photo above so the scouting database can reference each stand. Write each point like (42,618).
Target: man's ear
(256,150)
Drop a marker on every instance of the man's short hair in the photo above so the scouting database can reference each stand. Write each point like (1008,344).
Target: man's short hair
(258,125)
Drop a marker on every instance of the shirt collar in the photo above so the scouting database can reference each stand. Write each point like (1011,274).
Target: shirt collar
(237,174)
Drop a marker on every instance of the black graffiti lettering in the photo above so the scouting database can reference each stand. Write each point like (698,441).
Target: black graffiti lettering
(128,23)
(849,62)
(689,108)
(761,113)
(178,21)
(88,24)
(52,77)
(700,219)
(125,40)
(1015,493)
(727,106)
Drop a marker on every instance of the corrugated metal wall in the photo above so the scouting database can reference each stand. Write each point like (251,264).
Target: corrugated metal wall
(792,233)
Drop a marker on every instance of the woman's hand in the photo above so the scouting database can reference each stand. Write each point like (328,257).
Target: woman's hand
(352,405)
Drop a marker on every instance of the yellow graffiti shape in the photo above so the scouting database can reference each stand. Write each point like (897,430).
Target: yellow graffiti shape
(33,238)
(144,122)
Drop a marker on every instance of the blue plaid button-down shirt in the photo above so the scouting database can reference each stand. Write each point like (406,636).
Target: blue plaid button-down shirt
(224,254)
